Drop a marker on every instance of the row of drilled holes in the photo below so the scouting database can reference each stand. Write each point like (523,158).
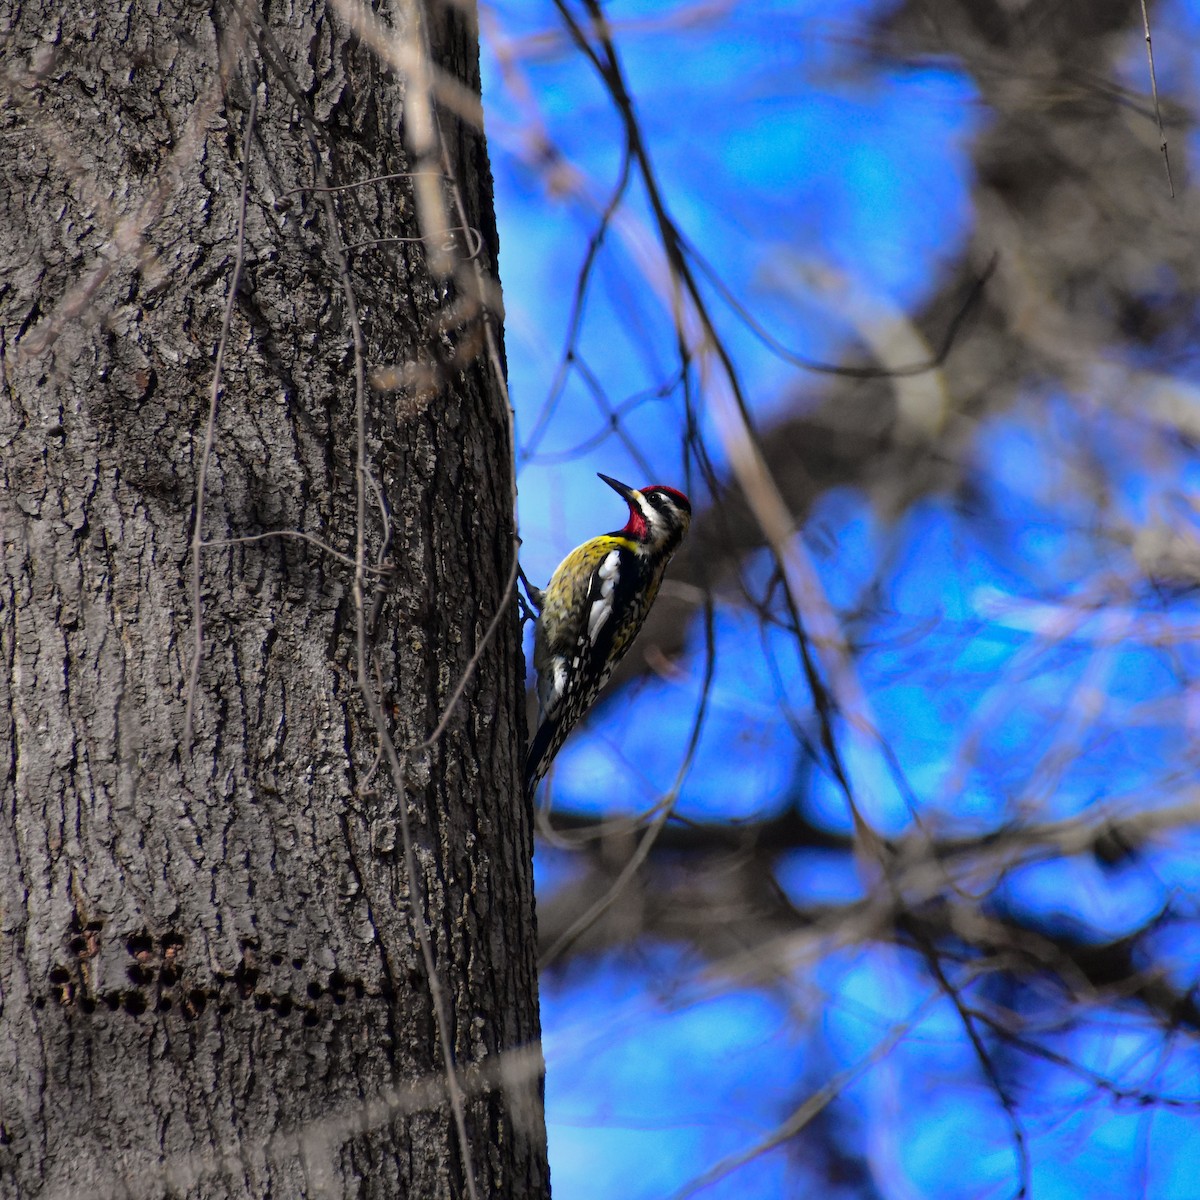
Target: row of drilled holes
(143,973)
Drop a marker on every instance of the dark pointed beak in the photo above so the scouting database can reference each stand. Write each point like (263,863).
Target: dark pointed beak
(622,489)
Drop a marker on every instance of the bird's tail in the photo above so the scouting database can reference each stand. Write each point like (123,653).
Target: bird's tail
(541,752)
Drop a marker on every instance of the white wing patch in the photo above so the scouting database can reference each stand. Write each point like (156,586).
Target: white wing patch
(559,671)
(600,613)
(552,684)
(602,606)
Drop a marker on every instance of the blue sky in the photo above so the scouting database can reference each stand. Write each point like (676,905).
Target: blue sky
(788,166)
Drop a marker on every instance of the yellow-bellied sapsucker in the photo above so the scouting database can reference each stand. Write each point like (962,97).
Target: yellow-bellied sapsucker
(592,609)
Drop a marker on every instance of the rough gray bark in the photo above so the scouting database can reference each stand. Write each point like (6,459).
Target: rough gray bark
(209,979)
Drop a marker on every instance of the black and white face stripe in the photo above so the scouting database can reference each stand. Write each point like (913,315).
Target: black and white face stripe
(666,513)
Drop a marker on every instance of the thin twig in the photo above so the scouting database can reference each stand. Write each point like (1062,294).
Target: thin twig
(966,1017)
(474,240)
(816,1103)
(324,547)
(1162,137)
(314,190)
(214,396)
(502,610)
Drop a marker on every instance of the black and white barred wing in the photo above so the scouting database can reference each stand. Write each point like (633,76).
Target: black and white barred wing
(574,651)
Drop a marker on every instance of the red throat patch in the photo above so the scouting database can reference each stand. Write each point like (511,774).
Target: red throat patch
(636,525)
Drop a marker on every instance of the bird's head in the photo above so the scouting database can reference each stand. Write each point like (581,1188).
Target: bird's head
(659,516)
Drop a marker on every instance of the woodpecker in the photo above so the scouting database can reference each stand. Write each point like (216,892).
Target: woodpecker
(592,609)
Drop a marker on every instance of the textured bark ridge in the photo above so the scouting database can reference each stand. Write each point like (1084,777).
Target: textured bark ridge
(209,979)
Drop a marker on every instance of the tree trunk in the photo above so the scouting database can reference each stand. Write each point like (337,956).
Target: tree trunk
(210,976)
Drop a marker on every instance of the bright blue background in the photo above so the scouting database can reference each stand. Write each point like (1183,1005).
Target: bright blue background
(788,163)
